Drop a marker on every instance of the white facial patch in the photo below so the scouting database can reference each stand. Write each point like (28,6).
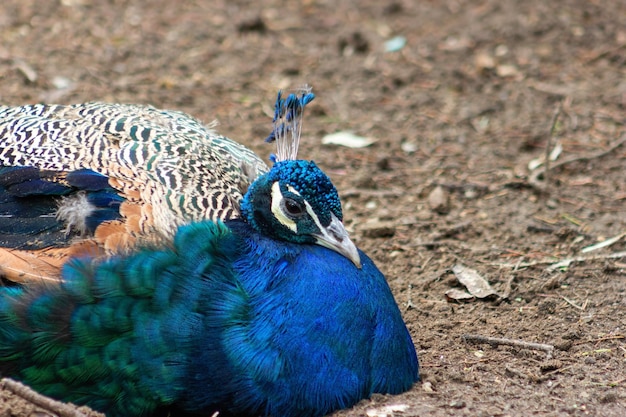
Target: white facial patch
(309,210)
(277,197)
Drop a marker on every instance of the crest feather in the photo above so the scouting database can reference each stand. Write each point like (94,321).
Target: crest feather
(288,113)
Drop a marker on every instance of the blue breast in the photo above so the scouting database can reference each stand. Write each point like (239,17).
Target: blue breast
(314,333)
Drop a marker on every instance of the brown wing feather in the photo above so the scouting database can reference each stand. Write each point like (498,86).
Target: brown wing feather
(44,264)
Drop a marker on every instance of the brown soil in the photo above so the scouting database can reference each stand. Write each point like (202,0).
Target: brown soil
(464,106)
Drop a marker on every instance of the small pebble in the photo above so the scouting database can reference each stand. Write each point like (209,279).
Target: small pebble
(438,200)
(395,44)
(457,404)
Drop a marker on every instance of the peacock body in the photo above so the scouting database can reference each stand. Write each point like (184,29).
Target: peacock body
(269,312)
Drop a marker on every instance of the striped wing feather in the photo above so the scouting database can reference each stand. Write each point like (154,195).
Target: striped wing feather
(165,168)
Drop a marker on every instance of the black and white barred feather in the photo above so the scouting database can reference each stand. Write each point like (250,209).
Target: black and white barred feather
(157,169)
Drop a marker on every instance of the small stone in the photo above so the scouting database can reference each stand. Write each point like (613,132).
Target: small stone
(471,193)
(61,82)
(457,404)
(395,44)
(590,360)
(552,203)
(506,70)
(423,214)
(438,200)
(501,50)
(409,147)
(371,205)
(484,61)
(427,387)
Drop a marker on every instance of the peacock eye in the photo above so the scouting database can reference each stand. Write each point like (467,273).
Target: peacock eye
(293,207)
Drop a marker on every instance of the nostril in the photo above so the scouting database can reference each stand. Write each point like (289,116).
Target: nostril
(336,233)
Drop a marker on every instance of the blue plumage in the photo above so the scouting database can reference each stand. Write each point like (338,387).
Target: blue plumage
(276,313)
(206,326)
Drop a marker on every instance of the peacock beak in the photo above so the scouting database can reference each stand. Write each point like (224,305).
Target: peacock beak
(335,237)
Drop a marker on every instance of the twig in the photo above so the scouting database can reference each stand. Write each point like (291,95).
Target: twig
(604,244)
(616,383)
(566,262)
(533,177)
(570,302)
(452,230)
(605,338)
(559,370)
(556,264)
(496,341)
(546,164)
(409,303)
(27,393)
(508,287)
(590,157)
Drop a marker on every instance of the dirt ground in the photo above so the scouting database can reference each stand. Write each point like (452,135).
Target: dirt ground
(457,114)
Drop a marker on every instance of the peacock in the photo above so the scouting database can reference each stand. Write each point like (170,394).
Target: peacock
(237,290)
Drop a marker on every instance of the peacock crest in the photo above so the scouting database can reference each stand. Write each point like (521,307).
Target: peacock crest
(288,115)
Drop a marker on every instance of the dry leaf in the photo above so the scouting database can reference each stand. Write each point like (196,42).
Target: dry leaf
(475,284)
(347,139)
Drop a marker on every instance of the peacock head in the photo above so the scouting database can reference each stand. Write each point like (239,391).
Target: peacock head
(295,201)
